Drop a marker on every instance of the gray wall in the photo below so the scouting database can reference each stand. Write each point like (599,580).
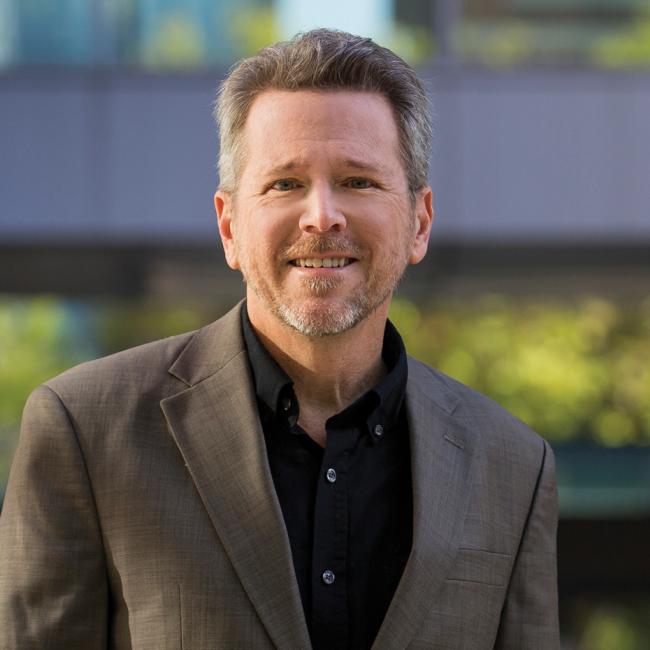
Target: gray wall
(524,156)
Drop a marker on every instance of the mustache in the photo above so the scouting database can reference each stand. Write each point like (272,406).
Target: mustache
(342,245)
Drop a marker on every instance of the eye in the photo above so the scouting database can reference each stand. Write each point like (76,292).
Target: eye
(359,183)
(284,185)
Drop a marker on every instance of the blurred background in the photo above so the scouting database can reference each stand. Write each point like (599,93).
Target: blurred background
(536,289)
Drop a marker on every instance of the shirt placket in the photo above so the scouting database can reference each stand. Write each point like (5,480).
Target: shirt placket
(330,612)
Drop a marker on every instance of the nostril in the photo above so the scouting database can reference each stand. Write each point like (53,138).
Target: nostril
(322,220)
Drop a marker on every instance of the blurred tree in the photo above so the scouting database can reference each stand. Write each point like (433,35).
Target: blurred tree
(572,372)
(35,344)
(177,43)
(629,47)
(414,43)
(506,43)
(609,626)
(121,325)
(253,28)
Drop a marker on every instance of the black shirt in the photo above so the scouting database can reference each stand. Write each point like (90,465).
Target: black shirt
(347,508)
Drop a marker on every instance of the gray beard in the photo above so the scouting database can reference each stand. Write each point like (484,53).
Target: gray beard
(331,321)
(327,323)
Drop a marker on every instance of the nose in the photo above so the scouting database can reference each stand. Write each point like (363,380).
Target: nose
(322,212)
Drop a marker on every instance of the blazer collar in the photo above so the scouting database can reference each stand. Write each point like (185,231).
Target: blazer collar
(210,349)
(216,426)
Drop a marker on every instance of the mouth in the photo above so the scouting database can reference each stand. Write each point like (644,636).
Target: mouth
(322,262)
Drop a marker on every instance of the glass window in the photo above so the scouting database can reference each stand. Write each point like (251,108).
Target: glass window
(589,32)
(194,34)
(191,34)
(38,32)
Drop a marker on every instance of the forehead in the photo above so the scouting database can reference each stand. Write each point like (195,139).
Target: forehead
(292,127)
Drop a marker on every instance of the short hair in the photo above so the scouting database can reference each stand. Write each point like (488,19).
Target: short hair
(325,59)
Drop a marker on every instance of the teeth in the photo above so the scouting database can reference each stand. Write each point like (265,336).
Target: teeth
(327,262)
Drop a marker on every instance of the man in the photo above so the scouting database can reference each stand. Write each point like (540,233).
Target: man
(286,477)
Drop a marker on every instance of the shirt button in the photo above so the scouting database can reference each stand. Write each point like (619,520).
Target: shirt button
(328,577)
(285,403)
(331,475)
(379,431)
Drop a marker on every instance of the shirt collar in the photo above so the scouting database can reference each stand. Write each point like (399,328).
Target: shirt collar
(271,382)
(379,406)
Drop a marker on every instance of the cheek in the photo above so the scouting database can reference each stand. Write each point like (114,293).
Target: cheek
(401,246)
(258,246)
(398,234)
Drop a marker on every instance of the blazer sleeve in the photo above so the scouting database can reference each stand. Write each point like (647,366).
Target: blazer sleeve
(53,586)
(529,618)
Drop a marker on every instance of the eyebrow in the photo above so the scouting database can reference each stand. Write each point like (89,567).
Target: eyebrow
(282,168)
(362,166)
(352,163)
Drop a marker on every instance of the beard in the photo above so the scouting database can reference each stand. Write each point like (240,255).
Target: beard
(311,316)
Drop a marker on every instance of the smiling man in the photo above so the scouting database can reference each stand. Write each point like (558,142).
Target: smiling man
(322,225)
(287,476)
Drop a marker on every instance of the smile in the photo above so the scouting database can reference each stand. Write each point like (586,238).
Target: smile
(326,262)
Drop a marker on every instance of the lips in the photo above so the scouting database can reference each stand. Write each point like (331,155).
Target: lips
(322,262)
(323,251)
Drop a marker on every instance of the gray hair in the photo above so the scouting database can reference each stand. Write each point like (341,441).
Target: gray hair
(325,59)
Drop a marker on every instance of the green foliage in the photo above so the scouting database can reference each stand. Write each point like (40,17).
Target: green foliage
(254,28)
(502,44)
(177,43)
(41,337)
(121,325)
(580,372)
(627,48)
(607,625)
(414,43)
(570,372)
(35,344)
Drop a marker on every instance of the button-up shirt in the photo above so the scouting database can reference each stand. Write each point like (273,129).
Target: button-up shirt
(347,507)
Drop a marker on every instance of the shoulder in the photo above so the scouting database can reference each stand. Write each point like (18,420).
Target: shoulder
(133,369)
(494,429)
(154,370)
(113,403)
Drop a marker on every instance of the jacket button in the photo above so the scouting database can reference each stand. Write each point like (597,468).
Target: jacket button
(331,475)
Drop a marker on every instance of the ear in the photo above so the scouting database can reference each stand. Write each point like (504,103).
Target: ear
(223,204)
(424,216)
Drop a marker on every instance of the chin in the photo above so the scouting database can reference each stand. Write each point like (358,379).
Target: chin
(324,320)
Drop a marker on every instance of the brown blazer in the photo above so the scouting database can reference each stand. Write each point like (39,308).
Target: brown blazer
(140,513)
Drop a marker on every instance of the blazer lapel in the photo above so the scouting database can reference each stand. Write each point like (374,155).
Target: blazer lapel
(216,426)
(441,460)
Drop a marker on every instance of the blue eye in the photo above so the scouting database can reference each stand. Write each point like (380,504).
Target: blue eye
(284,185)
(359,183)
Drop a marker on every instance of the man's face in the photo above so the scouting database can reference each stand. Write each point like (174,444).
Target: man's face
(322,224)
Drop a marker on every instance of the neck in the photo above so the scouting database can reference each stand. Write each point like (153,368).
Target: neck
(329,372)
